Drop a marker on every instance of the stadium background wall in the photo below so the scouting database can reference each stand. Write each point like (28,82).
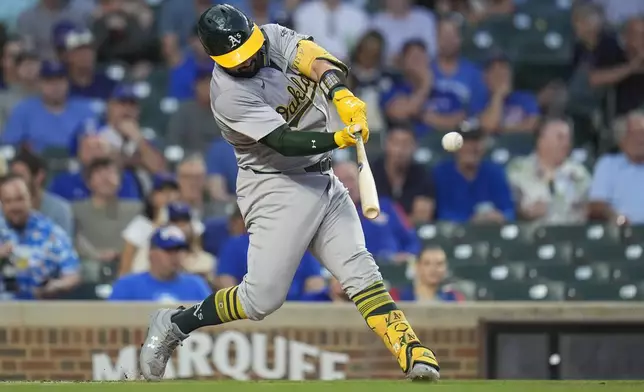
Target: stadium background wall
(56,340)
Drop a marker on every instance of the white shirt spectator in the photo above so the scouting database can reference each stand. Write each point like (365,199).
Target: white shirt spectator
(418,23)
(336,29)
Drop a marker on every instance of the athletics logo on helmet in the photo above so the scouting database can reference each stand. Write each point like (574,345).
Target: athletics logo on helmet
(228,35)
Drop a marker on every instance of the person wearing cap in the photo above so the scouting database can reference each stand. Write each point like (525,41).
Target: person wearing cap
(184,67)
(87,145)
(76,50)
(414,98)
(192,126)
(23,82)
(470,188)
(50,119)
(197,261)
(232,266)
(503,109)
(166,280)
(102,217)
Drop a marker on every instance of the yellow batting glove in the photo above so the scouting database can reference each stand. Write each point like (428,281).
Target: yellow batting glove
(350,108)
(347,136)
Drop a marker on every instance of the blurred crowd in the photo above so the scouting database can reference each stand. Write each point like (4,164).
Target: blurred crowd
(144,209)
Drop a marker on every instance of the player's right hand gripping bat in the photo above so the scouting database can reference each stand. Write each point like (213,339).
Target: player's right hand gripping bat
(366,183)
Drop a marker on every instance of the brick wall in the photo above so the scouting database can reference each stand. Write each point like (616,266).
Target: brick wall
(60,353)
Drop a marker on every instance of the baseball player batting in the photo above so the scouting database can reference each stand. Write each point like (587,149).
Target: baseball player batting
(270,94)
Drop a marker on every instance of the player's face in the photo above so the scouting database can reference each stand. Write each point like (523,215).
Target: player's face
(432,267)
(247,69)
(16,202)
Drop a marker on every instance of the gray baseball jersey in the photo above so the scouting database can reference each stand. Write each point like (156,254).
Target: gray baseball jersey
(249,109)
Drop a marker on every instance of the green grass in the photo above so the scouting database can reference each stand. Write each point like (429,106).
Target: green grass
(321,386)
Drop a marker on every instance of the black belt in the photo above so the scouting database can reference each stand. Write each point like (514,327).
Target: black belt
(321,166)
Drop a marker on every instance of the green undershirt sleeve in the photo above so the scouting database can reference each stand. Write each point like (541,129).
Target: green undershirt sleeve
(295,144)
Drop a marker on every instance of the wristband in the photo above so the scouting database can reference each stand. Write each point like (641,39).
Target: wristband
(331,80)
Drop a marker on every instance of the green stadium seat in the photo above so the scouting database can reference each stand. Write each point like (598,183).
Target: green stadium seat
(505,147)
(489,233)
(438,234)
(494,33)
(467,254)
(632,234)
(519,291)
(568,272)
(483,273)
(593,291)
(517,252)
(395,275)
(576,233)
(590,252)
(627,271)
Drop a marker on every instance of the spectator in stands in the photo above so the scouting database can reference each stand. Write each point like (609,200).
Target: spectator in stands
(550,187)
(165,281)
(428,283)
(14,50)
(76,50)
(222,171)
(233,261)
(332,292)
(368,78)
(178,214)
(10,11)
(390,238)
(452,72)
(124,32)
(45,264)
(588,25)
(191,176)
(193,126)
(334,24)
(490,8)
(470,188)
(101,218)
(154,214)
(22,85)
(402,180)
(413,97)
(618,180)
(87,146)
(619,11)
(122,128)
(176,23)
(621,66)
(264,11)
(184,67)
(50,119)
(36,24)
(401,22)
(503,109)
(33,169)
(218,230)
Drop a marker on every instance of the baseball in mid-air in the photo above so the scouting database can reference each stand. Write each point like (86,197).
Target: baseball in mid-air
(452,141)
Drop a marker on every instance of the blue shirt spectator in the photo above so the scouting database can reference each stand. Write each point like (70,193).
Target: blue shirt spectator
(177,21)
(452,72)
(470,188)
(618,184)
(164,282)
(500,108)
(233,262)
(221,164)
(50,119)
(413,97)
(42,254)
(217,231)
(183,75)
(389,237)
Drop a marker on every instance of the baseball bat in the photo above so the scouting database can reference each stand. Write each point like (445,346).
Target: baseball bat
(366,184)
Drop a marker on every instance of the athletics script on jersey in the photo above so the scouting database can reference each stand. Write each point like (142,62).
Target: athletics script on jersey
(302,93)
(204,354)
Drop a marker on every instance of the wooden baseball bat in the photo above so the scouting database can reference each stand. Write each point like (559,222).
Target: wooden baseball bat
(368,192)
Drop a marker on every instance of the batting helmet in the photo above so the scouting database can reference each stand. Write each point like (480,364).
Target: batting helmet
(228,35)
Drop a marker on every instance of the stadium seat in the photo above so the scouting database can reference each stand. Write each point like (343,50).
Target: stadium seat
(489,233)
(516,252)
(483,273)
(632,234)
(394,274)
(575,234)
(627,271)
(568,272)
(589,252)
(519,291)
(505,147)
(493,33)
(467,254)
(438,234)
(593,291)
